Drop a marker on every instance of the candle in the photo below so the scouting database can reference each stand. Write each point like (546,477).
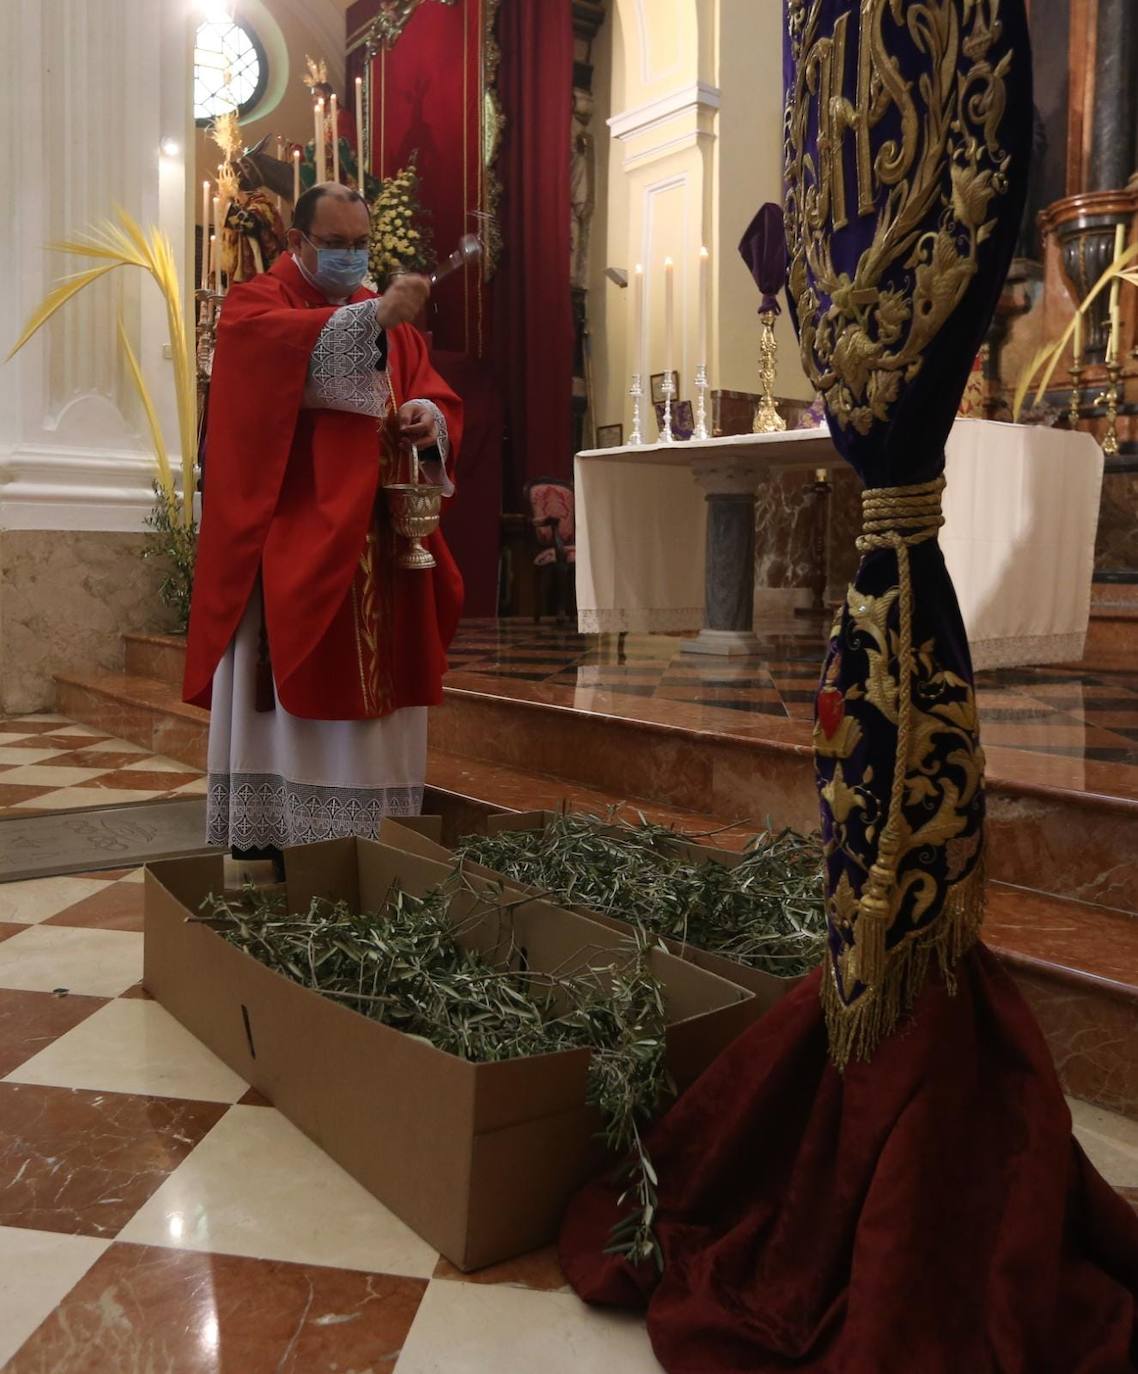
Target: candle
(669,317)
(1115,286)
(360,132)
(704,279)
(295,175)
(205,236)
(637,343)
(318,139)
(215,244)
(335,140)
(1078,337)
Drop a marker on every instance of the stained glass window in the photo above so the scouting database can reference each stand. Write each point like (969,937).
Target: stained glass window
(230,70)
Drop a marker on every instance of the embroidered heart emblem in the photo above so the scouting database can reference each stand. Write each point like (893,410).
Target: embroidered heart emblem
(831,710)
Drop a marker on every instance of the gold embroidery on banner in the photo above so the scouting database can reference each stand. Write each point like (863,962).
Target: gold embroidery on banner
(860,338)
(938,773)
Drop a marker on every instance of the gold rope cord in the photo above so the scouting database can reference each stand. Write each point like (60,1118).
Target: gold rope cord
(897,519)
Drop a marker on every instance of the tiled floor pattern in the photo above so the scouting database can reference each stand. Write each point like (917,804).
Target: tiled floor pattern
(155,1215)
(1061,713)
(49,763)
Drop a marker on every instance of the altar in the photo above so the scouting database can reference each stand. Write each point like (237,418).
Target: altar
(666,536)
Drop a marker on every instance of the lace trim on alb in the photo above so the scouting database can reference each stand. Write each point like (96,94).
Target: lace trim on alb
(256,810)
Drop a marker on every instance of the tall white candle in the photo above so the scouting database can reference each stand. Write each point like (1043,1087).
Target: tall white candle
(335,139)
(205,236)
(669,316)
(704,291)
(295,175)
(637,339)
(1115,287)
(318,138)
(215,244)
(360,132)
(1078,336)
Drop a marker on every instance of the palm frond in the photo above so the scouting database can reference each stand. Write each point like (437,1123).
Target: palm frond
(161,456)
(55,299)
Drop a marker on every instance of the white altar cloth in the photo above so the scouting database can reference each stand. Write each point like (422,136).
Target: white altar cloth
(1021,512)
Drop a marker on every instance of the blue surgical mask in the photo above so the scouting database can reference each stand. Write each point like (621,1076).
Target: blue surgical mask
(339,271)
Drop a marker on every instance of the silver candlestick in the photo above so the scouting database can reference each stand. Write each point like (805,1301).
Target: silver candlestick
(701,402)
(668,387)
(636,391)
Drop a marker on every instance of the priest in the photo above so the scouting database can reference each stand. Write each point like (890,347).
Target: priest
(316,652)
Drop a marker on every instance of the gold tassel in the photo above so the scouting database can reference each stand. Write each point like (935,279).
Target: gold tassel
(854,1031)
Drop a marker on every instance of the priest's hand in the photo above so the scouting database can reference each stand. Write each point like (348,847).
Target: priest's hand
(417,424)
(405,297)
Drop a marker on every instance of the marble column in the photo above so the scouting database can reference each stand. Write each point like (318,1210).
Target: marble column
(729,580)
(1112,148)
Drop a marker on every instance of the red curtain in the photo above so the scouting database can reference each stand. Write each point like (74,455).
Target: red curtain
(427,101)
(533,316)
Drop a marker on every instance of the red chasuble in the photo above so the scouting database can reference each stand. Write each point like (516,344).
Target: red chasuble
(295,495)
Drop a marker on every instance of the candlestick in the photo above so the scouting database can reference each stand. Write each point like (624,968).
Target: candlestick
(704,283)
(1109,398)
(767,418)
(700,431)
(215,251)
(318,120)
(335,122)
(360,135)
(295,175)
(669,314)
(205,236)
(669,389)
(636,438)
(1075,409)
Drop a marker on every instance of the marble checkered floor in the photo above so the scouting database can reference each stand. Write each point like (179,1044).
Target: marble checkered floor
(49,763)
(156,1215)
(1067,717)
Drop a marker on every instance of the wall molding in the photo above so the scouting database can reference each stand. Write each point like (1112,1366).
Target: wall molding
(56,488)
(697,98)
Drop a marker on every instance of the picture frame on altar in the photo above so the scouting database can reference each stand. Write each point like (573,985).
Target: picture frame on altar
(610,436)
(656,382)
(683,419)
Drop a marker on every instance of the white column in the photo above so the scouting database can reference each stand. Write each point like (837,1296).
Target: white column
(98,85)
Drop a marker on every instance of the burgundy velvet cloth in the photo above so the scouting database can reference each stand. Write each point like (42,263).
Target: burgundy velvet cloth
(533,313)
(929,1213)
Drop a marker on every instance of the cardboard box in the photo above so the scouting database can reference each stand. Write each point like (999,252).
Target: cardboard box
(421,835)
(479,1159)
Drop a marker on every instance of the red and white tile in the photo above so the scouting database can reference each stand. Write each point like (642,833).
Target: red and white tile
(50,764)
(157,1215)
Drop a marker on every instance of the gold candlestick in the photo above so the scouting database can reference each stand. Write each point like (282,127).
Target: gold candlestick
(1076,371)
(1109,398)
(767,418)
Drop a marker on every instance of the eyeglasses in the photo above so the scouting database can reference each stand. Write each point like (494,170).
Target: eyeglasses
(338,243)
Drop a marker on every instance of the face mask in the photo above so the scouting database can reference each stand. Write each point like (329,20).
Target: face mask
(339,271)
